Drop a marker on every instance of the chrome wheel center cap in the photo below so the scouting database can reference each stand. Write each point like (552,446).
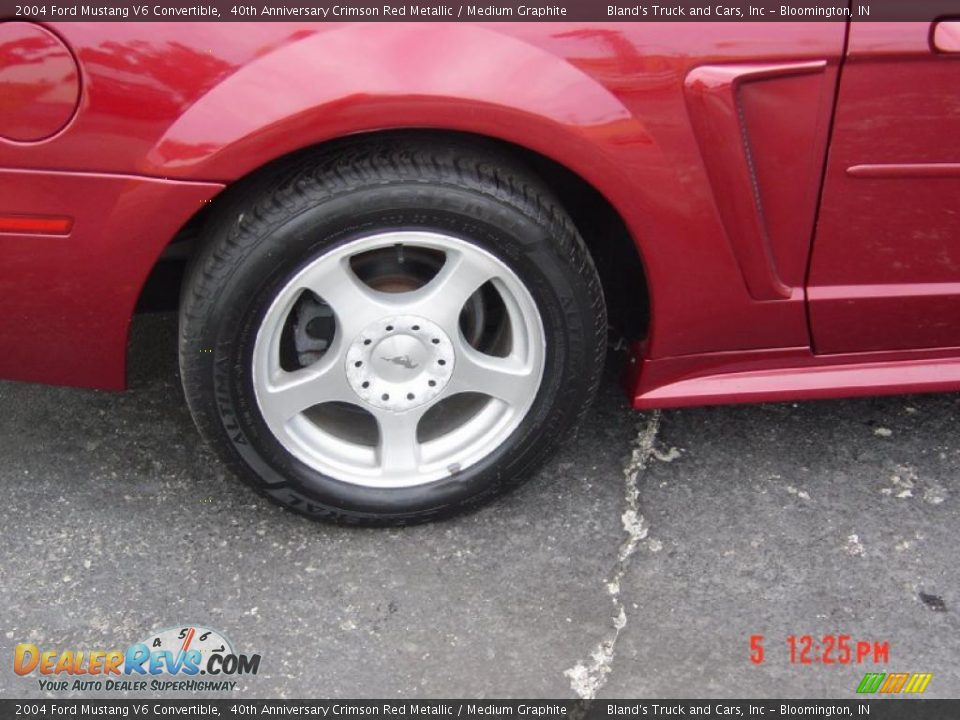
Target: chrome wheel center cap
(400,362)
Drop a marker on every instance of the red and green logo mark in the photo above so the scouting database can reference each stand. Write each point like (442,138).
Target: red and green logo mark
(891,683)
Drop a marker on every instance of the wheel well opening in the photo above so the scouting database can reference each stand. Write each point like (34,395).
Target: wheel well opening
(612,247)
(613,250)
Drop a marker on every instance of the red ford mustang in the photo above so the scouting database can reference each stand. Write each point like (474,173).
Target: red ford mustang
(399,246)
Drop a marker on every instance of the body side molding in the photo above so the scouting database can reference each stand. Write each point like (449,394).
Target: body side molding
(780,374)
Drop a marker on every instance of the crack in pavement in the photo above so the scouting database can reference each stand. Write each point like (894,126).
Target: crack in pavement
(586,678)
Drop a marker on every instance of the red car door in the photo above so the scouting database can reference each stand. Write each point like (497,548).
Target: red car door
(885,270)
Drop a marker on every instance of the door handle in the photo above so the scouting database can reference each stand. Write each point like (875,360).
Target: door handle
(946,36)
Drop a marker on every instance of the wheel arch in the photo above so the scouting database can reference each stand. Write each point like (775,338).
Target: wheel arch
(318,88)
(605,232)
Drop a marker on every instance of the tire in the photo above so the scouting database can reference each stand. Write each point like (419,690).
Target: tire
(443,275)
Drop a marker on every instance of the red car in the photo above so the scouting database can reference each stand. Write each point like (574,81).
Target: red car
(400,244)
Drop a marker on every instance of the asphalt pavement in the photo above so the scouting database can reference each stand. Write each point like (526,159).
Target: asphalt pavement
(639,562)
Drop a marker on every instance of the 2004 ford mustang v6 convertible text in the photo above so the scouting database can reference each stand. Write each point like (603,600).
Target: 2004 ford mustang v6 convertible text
(400,243)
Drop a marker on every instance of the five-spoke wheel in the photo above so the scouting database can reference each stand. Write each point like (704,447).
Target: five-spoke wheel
(422,379)
(390,331)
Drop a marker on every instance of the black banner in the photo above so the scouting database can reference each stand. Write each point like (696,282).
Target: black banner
(470,709)
(481,11)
